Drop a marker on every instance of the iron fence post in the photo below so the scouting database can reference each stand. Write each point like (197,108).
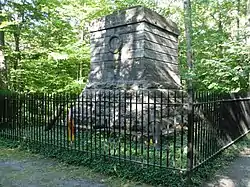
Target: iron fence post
(190,152)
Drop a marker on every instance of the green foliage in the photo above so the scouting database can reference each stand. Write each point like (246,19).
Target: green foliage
(43,51)
(47,42)
(221,57)
(57,73)
(228,73)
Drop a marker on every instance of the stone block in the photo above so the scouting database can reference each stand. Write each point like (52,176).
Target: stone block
(131,39)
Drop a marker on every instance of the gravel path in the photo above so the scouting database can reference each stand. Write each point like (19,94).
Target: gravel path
(237,175)
(40,173)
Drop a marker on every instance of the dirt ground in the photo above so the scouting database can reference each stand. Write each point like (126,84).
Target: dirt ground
(31,173)
(236,175)
(20,169)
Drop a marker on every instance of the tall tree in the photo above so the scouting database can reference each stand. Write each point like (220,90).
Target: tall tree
(188,32)
(238,19)
(248,22)
(3,67)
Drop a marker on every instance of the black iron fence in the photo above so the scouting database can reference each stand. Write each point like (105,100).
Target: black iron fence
(152,128)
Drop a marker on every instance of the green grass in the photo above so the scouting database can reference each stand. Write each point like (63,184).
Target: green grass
(111,144)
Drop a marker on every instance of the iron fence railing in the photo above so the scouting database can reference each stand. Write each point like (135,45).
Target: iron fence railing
(147,127)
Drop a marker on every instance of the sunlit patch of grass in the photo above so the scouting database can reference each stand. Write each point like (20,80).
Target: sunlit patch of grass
(7,153)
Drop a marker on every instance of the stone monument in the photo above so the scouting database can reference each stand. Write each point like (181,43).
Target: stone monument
(133,49)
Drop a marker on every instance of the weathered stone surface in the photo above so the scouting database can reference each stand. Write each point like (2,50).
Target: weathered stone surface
(131,110)
(144,37)
(131,16)
(160,32)
(130,72)
(125,29)
(160,48)
(161,40)
(152,54)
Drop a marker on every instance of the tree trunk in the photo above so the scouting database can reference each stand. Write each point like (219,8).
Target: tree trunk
(220,28)
(17,47)
(238,20)
(248,23)
(188,32)
(3,67)
(248,31)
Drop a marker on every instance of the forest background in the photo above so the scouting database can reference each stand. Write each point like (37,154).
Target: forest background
(45,44)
